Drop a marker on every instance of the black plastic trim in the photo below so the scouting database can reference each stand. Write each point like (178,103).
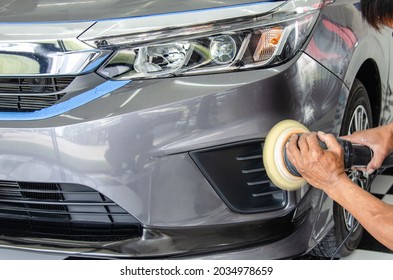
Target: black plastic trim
(237,174)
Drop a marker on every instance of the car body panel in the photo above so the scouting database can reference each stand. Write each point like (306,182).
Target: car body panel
(48,11)
(350,42)
(170,130)
(149,23)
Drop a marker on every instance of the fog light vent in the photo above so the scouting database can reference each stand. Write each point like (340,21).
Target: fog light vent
(237,174)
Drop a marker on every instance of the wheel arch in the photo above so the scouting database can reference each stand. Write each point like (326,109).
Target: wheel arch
(369,63)
(370,77)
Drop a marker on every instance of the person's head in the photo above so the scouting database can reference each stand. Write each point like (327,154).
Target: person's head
(377,13)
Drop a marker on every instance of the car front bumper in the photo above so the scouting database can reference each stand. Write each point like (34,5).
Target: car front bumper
(130,141)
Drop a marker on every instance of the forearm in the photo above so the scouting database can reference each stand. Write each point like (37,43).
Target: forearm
(384,140)
(390,135)
(374,215)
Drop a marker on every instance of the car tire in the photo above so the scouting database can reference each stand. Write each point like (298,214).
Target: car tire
(357,116)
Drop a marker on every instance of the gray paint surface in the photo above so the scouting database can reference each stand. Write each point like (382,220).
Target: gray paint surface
(74,10)
(132,144)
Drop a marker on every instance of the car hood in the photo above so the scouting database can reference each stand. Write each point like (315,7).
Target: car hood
(87,10)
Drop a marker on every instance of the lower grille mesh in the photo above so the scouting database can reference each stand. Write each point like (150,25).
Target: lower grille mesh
(31,94)
(66,211)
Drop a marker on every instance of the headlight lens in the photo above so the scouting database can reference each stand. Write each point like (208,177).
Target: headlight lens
(242,43)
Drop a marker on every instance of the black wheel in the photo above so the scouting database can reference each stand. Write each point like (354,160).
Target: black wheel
(357,116)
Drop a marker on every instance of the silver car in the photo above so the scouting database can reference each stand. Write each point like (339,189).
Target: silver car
(134,129)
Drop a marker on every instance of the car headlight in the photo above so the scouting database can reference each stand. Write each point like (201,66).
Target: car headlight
(262,34)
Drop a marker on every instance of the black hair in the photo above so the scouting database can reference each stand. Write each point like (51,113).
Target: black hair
(377,12)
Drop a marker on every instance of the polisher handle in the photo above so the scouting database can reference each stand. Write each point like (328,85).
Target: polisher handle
(355,156)
(359,156)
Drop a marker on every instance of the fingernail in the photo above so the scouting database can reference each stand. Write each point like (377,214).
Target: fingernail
(370,171)
(321,132)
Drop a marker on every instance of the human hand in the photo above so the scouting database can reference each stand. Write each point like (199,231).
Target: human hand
(379,139)
(323,169)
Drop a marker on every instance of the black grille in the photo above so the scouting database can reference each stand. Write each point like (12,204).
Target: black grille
(237,174)
(66,211)
(31,94)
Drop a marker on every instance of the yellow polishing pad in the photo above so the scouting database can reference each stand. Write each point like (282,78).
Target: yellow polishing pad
(273,154)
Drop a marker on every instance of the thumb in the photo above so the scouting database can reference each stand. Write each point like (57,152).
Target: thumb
(353,138)
(374,164)
(330,141)
(347,137)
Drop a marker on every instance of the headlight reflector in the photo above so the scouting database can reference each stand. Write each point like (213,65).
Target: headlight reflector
(223,49)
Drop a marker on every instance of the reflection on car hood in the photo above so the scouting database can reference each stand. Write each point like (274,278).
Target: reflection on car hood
(71,10)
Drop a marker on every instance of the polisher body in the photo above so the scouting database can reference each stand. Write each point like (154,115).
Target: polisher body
(355,156)
(285,175)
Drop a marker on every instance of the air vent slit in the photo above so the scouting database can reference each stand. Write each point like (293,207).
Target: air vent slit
(258,183)
(245,158)
(267,193)
(250,171)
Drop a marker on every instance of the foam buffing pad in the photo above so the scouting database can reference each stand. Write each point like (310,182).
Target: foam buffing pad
(273,154)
